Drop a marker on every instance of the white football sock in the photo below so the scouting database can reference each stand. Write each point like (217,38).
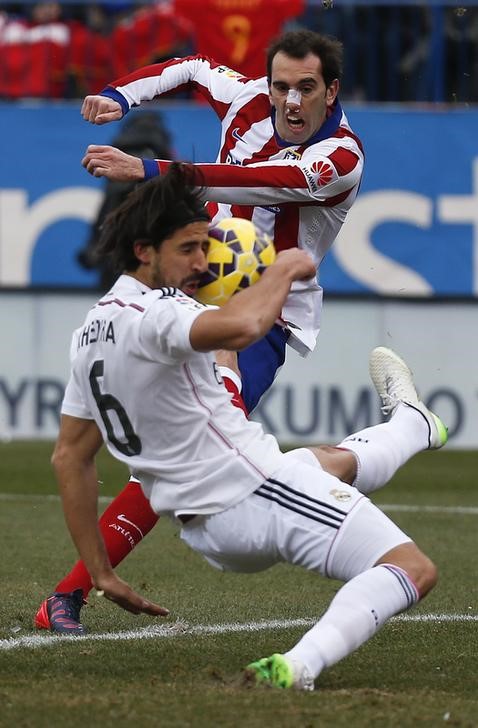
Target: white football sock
(382,449)
(358,610)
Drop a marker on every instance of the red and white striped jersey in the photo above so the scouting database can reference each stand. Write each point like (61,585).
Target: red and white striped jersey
(298,194)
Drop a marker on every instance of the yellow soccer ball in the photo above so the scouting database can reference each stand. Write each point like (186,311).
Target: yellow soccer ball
(238,255)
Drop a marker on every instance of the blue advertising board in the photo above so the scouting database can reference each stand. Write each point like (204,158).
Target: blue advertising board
(415,221)
(412,231)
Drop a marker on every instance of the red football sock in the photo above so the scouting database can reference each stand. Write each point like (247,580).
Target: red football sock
(123,525)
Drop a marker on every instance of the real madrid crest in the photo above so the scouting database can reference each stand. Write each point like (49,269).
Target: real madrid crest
(341,495)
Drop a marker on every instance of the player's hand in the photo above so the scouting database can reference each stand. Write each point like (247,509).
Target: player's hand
(112,163)
(297,263)
(100,110)
(118,591)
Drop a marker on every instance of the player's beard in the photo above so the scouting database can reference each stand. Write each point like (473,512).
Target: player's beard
(189,284)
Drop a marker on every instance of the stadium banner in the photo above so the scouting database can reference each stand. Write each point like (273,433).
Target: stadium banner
(413,230)
(318,399)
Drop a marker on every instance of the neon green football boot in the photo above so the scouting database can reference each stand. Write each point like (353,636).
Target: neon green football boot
(278,672)
(393,381)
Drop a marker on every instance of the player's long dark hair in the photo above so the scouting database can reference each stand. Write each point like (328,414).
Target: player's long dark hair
(298,43)
(150,214)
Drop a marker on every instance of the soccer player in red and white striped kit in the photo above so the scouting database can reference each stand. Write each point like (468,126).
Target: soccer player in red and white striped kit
(289,161)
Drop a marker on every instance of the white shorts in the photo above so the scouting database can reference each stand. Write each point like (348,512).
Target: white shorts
(303,516)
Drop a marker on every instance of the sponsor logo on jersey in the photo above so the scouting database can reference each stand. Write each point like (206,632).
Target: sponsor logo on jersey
(169,292)
(323,172)
(179,297)
(235,134)
(341,495)
(311,179)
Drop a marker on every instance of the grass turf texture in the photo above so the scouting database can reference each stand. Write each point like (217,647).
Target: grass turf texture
(411,673)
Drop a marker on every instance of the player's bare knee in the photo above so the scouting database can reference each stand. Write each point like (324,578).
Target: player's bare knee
(419,567)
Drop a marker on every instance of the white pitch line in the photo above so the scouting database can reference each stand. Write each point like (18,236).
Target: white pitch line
(42,497)
(182,629)
(388,507)
(395,507)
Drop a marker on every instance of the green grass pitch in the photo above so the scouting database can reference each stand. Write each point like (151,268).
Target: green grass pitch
(413,673)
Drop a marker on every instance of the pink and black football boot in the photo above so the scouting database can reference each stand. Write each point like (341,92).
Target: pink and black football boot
(60,613)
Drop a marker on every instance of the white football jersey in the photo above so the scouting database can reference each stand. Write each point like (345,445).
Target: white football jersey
(298,194)
(162,407)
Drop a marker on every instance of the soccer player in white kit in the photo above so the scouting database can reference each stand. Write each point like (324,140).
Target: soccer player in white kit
(145,381)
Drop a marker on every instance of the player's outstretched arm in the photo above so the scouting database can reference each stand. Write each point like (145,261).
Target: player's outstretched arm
(101,110)
(74,463)
(250,314)
(117,166)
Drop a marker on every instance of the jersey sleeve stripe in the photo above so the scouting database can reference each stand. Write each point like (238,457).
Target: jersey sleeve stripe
(343,132)
(254,111)
(277,176)
(343,160)
(120,303)
(286,227)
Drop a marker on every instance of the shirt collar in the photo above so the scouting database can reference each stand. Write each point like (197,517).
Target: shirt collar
(127,283)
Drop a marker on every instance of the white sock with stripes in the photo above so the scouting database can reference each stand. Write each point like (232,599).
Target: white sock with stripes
(358,610)
(382,449)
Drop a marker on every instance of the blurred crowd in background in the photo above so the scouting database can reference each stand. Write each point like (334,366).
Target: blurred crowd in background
(393,52)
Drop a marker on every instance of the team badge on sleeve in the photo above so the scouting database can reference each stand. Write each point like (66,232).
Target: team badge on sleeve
(229,72)
(292,154)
